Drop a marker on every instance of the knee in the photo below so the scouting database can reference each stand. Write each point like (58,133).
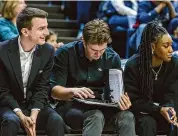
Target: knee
(11,120)
(126,118)
(97,115)
(140,28)
(95,118)
(74,118)
(126,115)
(111,20)
(55,119)
(148,121)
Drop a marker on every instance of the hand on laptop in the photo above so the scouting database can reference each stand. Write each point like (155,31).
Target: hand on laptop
(83,93)
(124,102)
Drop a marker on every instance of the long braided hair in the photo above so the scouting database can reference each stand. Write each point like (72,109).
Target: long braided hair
(151,34)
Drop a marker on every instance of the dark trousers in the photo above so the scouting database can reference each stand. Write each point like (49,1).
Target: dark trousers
(83,11)
(93,119)
(47,120)
(147,125)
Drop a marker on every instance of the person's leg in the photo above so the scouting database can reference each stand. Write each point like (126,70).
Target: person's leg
(51,121)
(83,11)
(139,34)
(172,131)
(83,15)
(131,21)
(93,123)
(147,125)
(118,23)
(165,126)
(124,122)
(74,118)
(10,123)
(117,20)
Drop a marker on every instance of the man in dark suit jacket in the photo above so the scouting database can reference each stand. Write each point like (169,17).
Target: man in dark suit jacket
(25,66)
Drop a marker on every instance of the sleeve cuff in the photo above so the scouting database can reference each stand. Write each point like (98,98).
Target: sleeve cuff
(17,110)
(35,109)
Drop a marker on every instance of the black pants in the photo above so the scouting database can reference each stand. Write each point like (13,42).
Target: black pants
(47,120)
(147,125)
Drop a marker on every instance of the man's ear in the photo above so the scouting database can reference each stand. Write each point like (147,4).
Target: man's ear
(24,31)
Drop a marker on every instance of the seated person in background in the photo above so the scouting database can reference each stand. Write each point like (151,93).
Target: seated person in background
(10,11)
(124,14)
(78,67)
(162,11)
(25,66)
(151,81)
(173,30)
(86,11)
(52,39)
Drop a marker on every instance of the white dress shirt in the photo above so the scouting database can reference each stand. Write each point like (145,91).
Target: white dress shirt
(26,63)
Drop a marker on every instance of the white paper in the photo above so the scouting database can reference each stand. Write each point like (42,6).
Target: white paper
(116,84)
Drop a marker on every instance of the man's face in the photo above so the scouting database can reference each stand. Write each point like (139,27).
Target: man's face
(94,51)
(163,49)
(38,30)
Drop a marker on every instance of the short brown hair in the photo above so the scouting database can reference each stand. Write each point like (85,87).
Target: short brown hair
(25,17)
(96,32)
(8,8)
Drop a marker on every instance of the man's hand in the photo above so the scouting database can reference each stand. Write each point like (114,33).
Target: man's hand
(160,7)
(27,124)
(33,116)
(59,44)
(124,102)
(83,92)
(172,118)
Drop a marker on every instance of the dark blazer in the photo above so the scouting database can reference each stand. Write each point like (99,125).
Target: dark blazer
(11,85)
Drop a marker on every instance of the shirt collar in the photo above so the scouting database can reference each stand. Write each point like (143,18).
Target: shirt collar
(21,49)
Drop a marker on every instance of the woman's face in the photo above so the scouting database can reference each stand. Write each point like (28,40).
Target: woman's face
(163,49)
(19,7)
(53,41)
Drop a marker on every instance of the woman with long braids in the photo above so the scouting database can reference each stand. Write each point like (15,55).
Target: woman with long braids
(151,80)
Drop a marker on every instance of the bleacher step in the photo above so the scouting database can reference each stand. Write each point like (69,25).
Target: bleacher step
(55,16)
(46,7)
(66,39)
(61,23)
(65,32)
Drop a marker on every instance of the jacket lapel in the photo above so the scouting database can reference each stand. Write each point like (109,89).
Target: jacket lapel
(14,59)
(36,63)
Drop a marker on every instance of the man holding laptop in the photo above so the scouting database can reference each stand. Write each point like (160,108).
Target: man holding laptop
(78,72)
